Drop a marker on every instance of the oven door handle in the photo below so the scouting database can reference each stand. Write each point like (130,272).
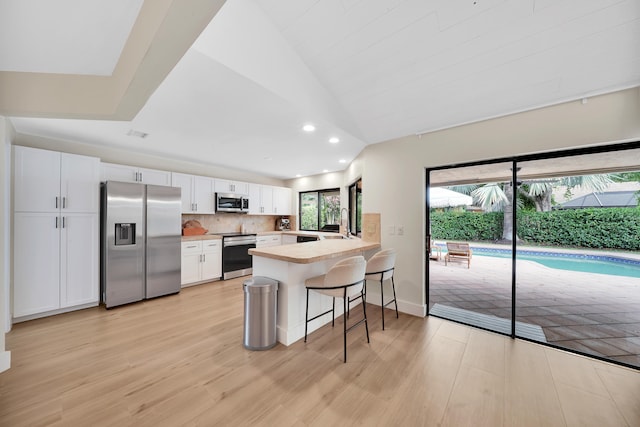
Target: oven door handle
(245,243)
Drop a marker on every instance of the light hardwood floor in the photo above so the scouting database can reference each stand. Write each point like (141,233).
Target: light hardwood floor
(179,360)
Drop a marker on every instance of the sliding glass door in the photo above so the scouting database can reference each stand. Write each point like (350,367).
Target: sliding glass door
(470,215)
(573,221)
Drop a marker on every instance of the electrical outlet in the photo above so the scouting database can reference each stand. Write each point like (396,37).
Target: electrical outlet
(400,230)
(392,230)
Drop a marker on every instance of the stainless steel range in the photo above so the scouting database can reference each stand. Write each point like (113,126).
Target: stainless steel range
(236,260)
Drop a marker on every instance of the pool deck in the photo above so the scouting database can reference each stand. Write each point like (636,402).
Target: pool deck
(592,313)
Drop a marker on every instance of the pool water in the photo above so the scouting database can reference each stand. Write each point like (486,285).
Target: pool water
(573,262)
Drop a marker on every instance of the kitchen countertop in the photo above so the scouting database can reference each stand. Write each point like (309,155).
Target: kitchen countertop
(310,252)
(326,235)
(201,237)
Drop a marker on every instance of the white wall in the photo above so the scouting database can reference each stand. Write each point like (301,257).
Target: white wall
(393,172)
(5,258)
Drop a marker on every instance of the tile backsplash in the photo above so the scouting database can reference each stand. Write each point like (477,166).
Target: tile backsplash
(230,222)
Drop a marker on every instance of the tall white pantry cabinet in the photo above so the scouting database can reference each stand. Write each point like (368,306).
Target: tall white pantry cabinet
(56,232)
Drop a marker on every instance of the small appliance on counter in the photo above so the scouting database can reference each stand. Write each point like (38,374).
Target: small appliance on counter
(283,224)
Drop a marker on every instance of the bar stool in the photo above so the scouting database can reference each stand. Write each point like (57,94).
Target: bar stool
(345,279)
(380,267)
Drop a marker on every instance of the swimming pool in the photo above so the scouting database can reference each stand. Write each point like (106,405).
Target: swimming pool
(573,262)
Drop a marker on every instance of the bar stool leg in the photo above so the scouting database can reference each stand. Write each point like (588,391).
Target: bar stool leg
(393,286)
(306,317)
(345,299)
(364,312)
(382,300)
(333,313)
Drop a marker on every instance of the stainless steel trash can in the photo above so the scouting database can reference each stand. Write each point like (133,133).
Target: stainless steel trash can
(260,312)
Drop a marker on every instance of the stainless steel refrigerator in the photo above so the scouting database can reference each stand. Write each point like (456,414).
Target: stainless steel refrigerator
(140,242)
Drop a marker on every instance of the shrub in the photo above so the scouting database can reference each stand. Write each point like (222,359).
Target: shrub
(604,228)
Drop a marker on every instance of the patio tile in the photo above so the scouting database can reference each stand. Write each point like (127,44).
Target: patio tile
(585,312)
(630,345)
(632,359)
(591,347)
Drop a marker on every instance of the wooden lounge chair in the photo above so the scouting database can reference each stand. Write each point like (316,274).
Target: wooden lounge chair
(434,251)
(458,251)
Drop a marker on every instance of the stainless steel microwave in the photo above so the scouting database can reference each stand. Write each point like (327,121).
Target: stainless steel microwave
(229,202)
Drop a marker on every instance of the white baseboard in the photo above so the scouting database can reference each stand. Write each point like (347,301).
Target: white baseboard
(54,312)
(418,310)
(5,360)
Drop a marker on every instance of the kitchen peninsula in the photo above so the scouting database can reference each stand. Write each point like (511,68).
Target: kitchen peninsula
(291,265)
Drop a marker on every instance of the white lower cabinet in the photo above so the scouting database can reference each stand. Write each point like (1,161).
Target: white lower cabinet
(289,240)
(55,262)
(201,261)
(270,240)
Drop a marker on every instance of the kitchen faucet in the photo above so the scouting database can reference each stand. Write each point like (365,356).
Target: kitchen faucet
(348,233)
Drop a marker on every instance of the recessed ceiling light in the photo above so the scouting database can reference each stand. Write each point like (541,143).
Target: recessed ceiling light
(342,161)
(308,128)
(298,175)
(334,140)
(325,170)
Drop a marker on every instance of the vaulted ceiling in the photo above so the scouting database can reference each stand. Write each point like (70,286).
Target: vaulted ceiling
(232,83)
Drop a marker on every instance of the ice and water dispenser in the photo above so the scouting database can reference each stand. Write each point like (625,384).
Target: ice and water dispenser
(125,234)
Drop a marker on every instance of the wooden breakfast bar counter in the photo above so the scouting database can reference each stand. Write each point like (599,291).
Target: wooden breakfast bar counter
(291,265)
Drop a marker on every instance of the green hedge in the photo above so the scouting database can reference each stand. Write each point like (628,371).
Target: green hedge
(604,228)
(466,226)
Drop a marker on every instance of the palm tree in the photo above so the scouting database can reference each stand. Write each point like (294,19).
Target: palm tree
(496,197)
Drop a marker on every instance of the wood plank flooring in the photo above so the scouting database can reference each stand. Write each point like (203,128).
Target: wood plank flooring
(179,361)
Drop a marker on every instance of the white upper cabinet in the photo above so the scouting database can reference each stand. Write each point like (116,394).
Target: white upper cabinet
(204,194)
(260,199)
(282,201)
(124,173)
(185,183)
(197,193)
(269,200)
(237,187)
(49,181)
(36,180)
(80,183)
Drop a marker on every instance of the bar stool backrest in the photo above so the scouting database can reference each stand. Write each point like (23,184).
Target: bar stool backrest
(345,272)
(380,266)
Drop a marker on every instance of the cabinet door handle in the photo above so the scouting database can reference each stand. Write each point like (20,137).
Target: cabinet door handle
(56,202)
(56,221)
(196,207)
(204,257)
(189,247)
(64,203)
(141,179)
(63,222)
(136,179)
